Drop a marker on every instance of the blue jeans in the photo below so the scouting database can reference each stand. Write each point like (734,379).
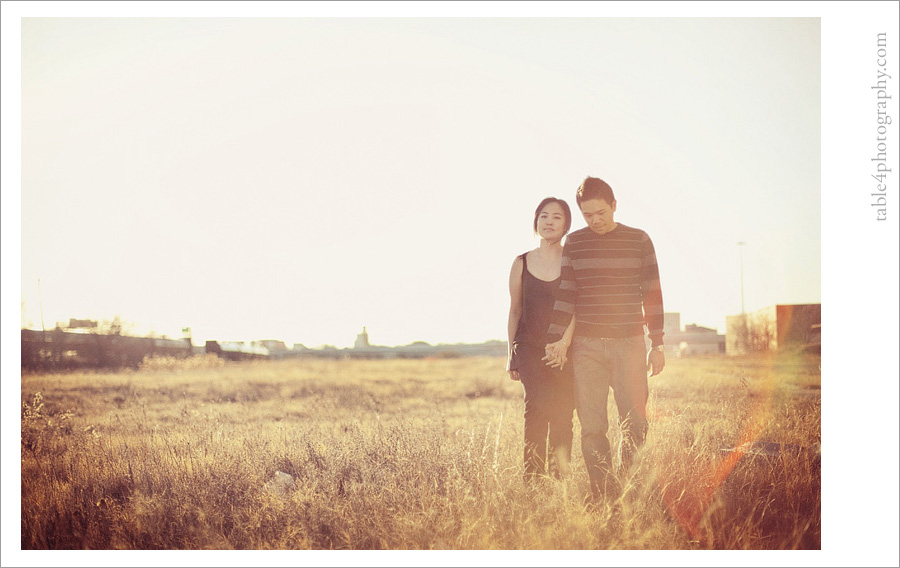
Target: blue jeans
(601,364)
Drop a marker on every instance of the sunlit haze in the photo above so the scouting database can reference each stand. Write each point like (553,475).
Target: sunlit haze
(298,179)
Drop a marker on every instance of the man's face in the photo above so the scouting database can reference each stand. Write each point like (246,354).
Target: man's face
(598,214)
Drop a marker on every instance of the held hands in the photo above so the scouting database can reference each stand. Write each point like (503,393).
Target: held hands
(656,361)
(555,354)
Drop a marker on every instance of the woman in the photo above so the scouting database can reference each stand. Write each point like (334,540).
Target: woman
(548,384)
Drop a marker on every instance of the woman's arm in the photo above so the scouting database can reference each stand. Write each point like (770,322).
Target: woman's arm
(515,312)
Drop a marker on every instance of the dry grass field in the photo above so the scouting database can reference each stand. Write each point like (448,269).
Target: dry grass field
(406,455)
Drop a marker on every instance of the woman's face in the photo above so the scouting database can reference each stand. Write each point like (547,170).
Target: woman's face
(551,222)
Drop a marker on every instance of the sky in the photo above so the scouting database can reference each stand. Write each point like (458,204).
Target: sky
(297,171)
(298,179)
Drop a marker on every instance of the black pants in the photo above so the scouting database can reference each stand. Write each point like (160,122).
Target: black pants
(549,405)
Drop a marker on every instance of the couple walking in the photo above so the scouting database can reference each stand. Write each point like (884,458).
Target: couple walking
(576,330)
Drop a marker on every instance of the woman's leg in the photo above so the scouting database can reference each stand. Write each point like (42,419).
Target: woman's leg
(538,400)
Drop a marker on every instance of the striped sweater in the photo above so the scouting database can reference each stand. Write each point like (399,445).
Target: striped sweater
(611,283)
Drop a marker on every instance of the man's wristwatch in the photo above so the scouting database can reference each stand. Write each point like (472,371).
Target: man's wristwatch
(659,348)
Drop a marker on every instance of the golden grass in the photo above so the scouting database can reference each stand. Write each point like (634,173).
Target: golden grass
(404,455)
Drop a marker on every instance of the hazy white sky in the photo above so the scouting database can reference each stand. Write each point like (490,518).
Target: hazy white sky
(298,179)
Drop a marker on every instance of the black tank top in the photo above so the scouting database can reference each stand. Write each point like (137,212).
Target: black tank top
(538,297)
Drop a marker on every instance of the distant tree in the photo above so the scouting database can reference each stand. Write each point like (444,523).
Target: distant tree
(741,335)
(756,333)
(115,326)
(763,336)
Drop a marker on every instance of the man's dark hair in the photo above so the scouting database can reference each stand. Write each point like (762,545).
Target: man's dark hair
(594,188)
(565,208)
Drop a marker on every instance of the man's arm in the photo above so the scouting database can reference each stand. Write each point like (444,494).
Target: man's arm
(651,299)
(566,298)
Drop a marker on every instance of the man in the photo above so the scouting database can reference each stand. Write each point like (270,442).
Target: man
(610,288)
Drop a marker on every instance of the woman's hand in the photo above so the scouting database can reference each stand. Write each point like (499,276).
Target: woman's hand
(513,373)
(555,354)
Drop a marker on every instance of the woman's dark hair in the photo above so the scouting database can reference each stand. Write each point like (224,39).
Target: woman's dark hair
(565,207)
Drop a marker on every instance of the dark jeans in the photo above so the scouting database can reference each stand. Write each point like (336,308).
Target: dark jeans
(601,364)
(549,405)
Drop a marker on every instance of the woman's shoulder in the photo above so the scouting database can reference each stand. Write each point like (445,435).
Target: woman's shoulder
(522,258)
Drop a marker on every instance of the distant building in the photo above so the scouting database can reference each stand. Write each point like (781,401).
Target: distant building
(362,340)
(236,350)
(693,340)
(271,345)
(777,327)
(81,324)
(671,323)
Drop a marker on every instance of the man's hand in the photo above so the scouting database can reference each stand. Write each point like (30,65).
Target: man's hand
(555,354)
(656,361)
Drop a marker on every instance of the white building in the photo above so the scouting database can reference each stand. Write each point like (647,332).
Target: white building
(362,340)
(692,340)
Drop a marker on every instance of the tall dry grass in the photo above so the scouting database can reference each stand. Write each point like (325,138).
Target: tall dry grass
(404,454)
